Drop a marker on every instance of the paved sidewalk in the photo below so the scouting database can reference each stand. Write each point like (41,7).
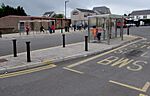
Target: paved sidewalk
(35,34)
(57,54)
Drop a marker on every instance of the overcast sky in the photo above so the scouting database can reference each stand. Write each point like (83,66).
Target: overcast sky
(38,7)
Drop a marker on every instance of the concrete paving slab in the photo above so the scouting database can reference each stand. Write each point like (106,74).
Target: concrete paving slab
(57,54)
(2,70)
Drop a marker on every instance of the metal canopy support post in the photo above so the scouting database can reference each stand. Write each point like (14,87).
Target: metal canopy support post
(89,29)
(61,26)
(110,26)
(33,24)
(116,28)
(121,30)
(104,29)
(108,32)
(97,21)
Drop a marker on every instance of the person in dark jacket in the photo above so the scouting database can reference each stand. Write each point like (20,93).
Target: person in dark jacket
(41,29)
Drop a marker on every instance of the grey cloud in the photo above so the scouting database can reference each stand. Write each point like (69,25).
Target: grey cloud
(38,7)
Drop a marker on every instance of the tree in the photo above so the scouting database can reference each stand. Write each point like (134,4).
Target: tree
(8,10)
(129,14)
(59,16)
(125,14)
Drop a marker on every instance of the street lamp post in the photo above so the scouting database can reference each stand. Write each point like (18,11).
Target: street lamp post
(65,15)
(65,7)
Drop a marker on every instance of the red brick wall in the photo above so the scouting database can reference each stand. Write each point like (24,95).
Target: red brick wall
(12,22)
(8,22)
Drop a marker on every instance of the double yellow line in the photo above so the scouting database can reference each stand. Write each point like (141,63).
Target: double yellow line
(27,71)
(144,89)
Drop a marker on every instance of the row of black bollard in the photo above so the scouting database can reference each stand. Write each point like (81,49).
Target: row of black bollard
(0,34)
(86,42)
(14,48)
(28,50)
(128,30)
(63,40)
(28,47)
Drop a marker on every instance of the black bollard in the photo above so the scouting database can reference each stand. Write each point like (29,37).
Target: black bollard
(0,34)
(86,43)
(28,51)
(63,40)
(128,30)
(14,48)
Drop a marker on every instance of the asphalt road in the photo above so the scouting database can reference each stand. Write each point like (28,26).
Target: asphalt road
(123,71)
(141,31)
(47,41)
(39,42)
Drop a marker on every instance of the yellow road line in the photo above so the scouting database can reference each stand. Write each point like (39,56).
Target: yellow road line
(144,54)
(142,95)
(97,56)
(76,71)
(100,55)
(146,86)
(144,89)
(27,71)
(47,62)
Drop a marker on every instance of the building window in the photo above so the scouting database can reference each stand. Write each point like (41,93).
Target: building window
(145,17)
(86,15)
(137,17)
(75,13)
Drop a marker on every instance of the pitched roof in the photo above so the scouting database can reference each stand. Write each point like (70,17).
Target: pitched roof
(85,10)
(49,13)
(101,7)
(102,10)
(140,12)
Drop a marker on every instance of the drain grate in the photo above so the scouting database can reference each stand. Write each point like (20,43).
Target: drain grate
(3,60)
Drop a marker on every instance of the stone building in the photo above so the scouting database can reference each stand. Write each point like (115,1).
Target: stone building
(11,23)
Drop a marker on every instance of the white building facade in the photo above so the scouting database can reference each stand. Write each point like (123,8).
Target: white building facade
(141,16)
(79,16)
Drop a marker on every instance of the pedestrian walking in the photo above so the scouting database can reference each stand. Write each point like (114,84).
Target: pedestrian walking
(99,30)
(27,29)
(42,29)
(50,30)
(53,28)
(74,27)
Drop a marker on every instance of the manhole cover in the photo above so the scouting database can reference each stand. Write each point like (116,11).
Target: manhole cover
(3,60)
